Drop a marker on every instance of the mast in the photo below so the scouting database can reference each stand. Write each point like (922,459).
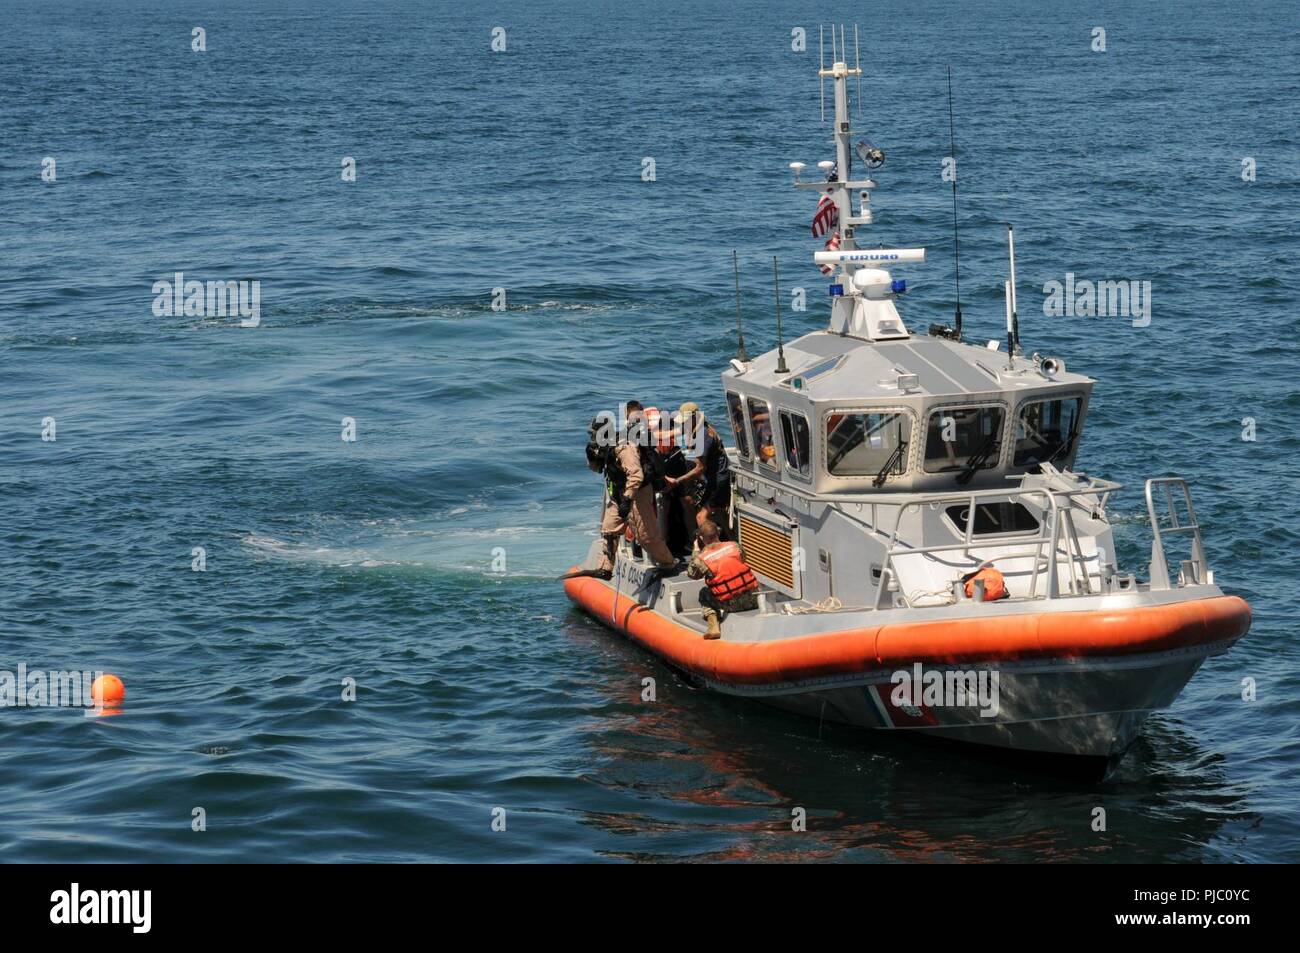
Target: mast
(862,308)
(839,74)
(839,190)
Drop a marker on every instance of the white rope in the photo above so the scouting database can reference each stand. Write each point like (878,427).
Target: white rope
(829,604)
(946,597)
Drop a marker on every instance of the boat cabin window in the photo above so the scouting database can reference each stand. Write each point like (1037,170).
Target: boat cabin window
(1047,430)
(760,420)
(864,444)
(794,436)
(737,413)
(994,519)
(963,438)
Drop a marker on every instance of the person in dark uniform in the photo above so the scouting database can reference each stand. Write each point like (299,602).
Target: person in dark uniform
(679,503)
(709,478)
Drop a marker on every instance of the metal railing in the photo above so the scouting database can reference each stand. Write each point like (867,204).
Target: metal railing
(1057,504)
(1192,571)
(1059,527)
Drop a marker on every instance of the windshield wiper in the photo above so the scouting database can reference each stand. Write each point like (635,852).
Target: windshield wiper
(892,462)
(991,443)
(1063,448)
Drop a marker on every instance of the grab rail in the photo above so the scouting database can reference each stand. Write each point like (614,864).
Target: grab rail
(1049,536)
(1192,571)
(1058,499)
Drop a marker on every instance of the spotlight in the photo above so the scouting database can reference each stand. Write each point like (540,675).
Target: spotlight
(872,157)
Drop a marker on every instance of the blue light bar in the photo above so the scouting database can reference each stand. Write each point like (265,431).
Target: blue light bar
(838,290)
(898,286)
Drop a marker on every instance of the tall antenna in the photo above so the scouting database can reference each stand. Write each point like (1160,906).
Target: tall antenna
(1011,320)
(821,63)
(857,63)
(741,354)
(1015,316)
(956,242)
(780,341)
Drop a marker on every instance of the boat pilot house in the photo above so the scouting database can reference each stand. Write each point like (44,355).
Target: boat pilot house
(905,415)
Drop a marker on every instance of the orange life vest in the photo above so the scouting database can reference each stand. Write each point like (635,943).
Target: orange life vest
(995,586)
(731,574)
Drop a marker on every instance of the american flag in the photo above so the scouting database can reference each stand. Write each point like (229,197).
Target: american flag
(832,244)
(826,218)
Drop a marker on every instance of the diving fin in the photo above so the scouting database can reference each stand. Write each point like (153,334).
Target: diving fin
(592,573)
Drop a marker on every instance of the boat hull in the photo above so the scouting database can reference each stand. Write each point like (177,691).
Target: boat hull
(1059,682)
(1090,714)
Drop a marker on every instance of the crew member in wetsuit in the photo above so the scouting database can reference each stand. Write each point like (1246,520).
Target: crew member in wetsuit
(730,583)
(709,479)
(679,503)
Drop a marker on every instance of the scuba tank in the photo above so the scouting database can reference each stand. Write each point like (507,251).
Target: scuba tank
(600,456)
(652,466)
(598,445)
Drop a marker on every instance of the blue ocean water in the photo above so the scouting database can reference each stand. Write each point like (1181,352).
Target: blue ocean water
(373,560)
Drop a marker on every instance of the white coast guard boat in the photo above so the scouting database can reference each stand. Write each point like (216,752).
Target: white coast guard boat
(874,470)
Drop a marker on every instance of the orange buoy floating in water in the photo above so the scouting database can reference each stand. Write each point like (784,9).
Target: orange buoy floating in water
(107,691)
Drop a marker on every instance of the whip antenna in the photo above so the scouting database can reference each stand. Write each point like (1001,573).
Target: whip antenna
(1011,323)
(956,242)
(780,340)
(821,63)
(857,63)
(1015,314)
(741,354)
